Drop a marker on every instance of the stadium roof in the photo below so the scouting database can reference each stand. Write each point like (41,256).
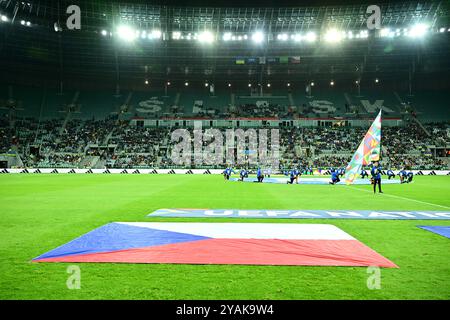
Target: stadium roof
(166,41)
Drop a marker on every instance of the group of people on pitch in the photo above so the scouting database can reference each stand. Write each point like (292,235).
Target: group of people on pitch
(244,174)
(376,171)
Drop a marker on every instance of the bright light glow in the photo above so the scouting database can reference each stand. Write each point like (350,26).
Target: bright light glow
(312,84)
(168,83)
(206,37)
(268,85)
(144,34)
(206,84)
(376,80)
(176,35)
(239,38)
(156,34)
(356,82)
(363,34)
(310,36)
(104,32)
(126,33)
(418,30)
(186,84)
(246,37)
(442,30)
(386,32)
(333,36)
(227,36)
(4,18)
(229,85)
(146,81)
(297,37)
(288,84)
(258,37)
(350,35)
(282,36)
(28,23)
(22,22)
(249,85)
(331,83)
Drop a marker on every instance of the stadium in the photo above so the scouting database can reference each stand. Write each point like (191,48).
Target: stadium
(224,152)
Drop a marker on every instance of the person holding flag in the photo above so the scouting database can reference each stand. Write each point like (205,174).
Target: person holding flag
(376,176)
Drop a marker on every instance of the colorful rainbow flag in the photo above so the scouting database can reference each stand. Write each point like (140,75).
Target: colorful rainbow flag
(369,150)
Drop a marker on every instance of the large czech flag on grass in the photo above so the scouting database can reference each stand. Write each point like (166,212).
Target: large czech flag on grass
(369,150)
(218,243)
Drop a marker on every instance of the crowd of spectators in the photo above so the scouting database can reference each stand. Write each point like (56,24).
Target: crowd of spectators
(120,144)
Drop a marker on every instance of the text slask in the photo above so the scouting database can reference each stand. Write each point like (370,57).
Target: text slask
(315,214)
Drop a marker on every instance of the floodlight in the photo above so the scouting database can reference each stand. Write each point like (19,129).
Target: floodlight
(418,30)
(282,36)
(297,37)
(156,34)
(227,36)
(126,33)
(258,37)
(206,37)
(333,36)
(310,36)
(176,35)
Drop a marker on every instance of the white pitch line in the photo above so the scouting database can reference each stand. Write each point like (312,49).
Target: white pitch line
(398,197)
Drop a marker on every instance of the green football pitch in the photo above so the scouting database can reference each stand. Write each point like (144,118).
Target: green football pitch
(41,212)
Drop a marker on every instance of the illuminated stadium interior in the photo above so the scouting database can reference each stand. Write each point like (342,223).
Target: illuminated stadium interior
(247,152)
(73,98)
